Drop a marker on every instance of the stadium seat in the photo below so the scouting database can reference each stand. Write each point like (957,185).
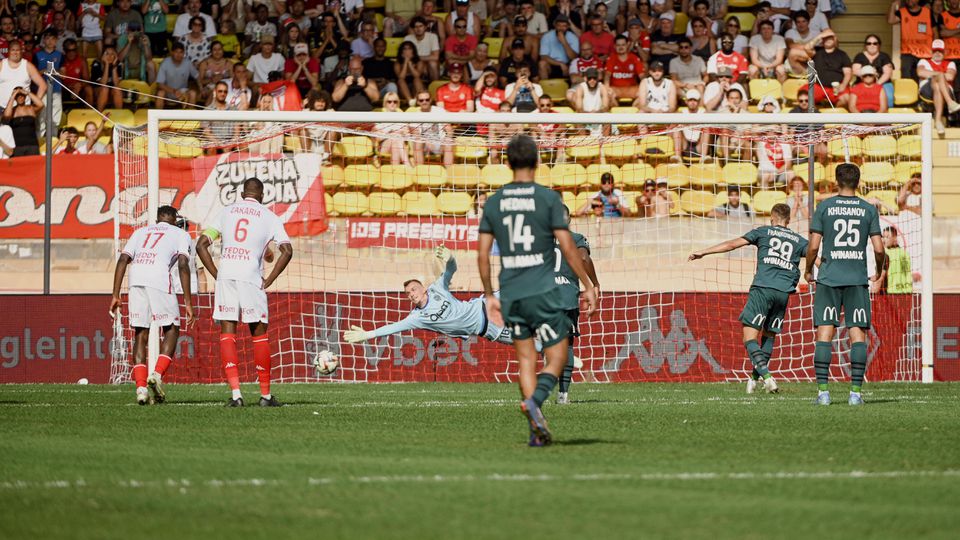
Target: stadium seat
(568,176)
(328,203)
(803,171)
(903,170)
(470,148)
(419,203)
(495,176)
(384,203)
(454,202)
(172,22)
(739,174)
(563,110)
(619,151)
(189,126)
(746,19)
(901,110)
(361,176)
(596,170)
(675,200)
(656,146)
(396,177)
(183,147)
(43,145)
(432,88)
(393,46)
(332,177)
(582,199)
(764,200)
(569,200)
(742,3)
(139,92)
(494,46)
(542,175)
(696,202)
(905,92)
(441,15)
(706,175)
(909,146)
(879,146)
(122,117)
(556,89)
(350,203)
(633,175)
(677,174)
(582,148)
(140,117)
(876,173)
(840,148)
(625,128)
(78,118)
(790,89)
(721,198)
(353,147)
(430,176)
(760,88)
(291,143)
(463,175)
(889,199)
(680,22)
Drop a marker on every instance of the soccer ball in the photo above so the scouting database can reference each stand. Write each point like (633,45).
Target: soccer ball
(326,363)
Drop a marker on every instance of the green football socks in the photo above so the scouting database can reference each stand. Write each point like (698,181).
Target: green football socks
(567,374)
(858,365)
(821,363)
(545,384)
(758,358)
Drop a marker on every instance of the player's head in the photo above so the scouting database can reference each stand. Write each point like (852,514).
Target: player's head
(167,214)
(890,236)
(416,292)
(522,153)
(848,176)
(253,189)
(780,214)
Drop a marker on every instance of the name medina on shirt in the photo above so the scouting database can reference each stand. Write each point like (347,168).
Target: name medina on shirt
(279,177)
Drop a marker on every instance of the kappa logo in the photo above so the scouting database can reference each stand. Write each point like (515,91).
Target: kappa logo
(229,365)
(679,348)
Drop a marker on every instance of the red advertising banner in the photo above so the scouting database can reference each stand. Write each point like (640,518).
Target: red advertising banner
(628,341)
(412,233)
(83,195)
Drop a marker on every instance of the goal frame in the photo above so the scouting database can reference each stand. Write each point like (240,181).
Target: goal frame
(924,120)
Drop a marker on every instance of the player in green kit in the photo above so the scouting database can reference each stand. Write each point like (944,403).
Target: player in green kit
(526,219)
(845,224)
(779,252)
(570,293)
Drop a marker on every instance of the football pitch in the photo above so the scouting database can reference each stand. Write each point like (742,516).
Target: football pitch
(450,461)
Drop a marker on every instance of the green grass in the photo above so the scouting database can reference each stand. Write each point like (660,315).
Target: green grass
(450,461)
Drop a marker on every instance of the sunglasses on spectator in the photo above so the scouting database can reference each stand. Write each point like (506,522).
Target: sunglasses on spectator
(724,76)
(733,25)
(872,43)
(545,105)
(389,101)
(460,26)
(606,181)
(423,100)
(649,189)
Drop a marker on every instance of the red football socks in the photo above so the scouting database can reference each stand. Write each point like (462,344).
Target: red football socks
(140,375)
(261,356)
(228,355)
(163,362)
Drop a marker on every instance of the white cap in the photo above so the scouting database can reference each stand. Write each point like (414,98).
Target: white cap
(868,70)
(769,100)
(668,15)
(693,94)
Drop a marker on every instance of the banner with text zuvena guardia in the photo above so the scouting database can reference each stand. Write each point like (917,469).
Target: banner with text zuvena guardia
(38,343)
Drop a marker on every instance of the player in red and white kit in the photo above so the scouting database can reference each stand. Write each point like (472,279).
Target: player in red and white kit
(150,253)
(246,228)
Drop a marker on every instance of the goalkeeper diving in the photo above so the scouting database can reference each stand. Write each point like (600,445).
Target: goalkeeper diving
(436,309)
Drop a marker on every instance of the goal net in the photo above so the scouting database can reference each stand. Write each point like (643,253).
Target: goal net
(366,197)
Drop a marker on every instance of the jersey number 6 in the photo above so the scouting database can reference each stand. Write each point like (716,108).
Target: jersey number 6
(240,232)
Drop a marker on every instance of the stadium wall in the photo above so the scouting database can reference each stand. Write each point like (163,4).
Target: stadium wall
(62,338)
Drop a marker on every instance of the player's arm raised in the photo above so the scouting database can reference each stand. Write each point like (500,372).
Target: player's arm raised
(569,251)
(450,264)
(722,247)
(484,245)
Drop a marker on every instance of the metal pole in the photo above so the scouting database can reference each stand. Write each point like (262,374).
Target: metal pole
(812,147)
(48,180)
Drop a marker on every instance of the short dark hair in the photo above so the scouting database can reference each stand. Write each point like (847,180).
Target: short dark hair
(781,211)
(253,185)
(890,229)
(766,22)
(379,40)
(621,37)
(522,153)
(848,175)
(415,20)
(71,130)
(797,15)
(733,188)
(166,210)
(684,41)
(177,46)
(409,281)
(698,2)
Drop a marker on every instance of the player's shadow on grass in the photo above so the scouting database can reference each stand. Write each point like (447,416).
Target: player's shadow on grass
(12,402)
(600,401)
(583,442)
(882,401)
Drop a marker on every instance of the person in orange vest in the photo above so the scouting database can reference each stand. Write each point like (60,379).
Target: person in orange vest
(917,33)
(949,28)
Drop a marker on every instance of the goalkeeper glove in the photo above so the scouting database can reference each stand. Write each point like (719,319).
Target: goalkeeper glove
(356,334)
(442,253)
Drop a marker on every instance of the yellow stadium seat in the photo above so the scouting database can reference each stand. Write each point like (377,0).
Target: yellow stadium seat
(764,200)
(434,85)
(839,148)
(378,19)
(656,146)
(905,92)
(140,117)
(172,22)
(596,170)
(909,146)
(746,19)
(631,200)
(569,200)
(633,175)
(697,202)
(706,175)
(739,174)
(393,46)
(568,176)
(494,46)
(291,143)
(180,125)
(384,203)
(582,148)
(790,89)
(721,198)
(361,176)
(555,88)
(396,177)
(78,118)
(419,203)
(43,145)
(876,173)
(680,22)
(138,92)
(760,88)
(463,175)
(742,3)
(454,202)
(543,175)
(624,150)
(802,170)
(350,203)
(122,117)
(677,174)
(328,203)
(183,147)
(901,110)
(495,176)
(879,146)
(440,15)
(353,147)
(583,199)
(470,148)
(903,170)
(625,128)
(430,176)
(889,199)
(563,110)
(332,177)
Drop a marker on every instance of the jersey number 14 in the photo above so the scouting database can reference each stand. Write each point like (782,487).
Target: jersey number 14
(519,233)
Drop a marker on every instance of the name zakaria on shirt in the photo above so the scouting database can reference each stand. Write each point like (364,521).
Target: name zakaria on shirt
(154,251)
(846,223)
(779,252)
(246,227)
(522,218)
